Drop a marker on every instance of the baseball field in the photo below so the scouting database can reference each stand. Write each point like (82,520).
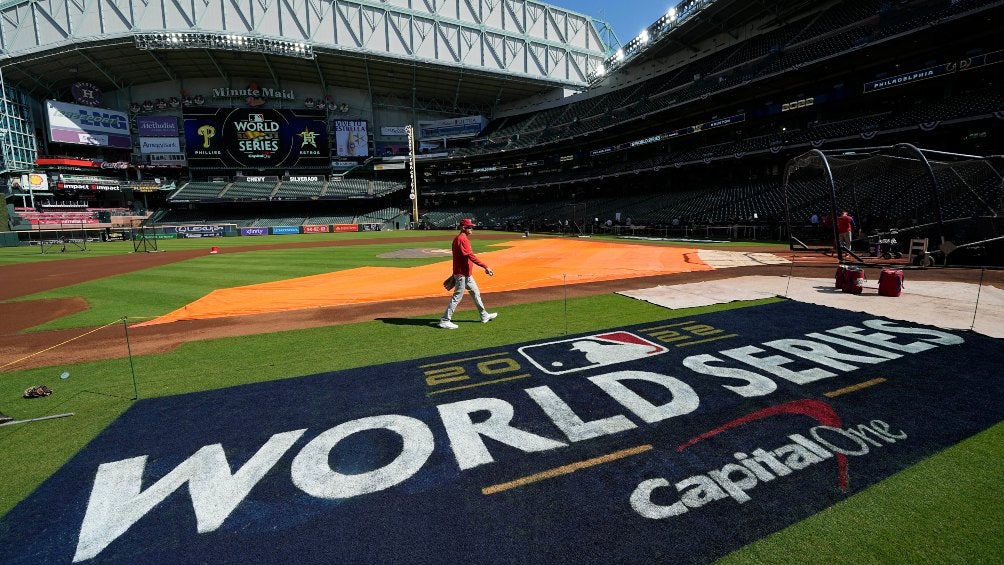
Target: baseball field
(434,444)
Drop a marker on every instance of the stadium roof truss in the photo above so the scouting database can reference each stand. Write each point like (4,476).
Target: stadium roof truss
(476,51)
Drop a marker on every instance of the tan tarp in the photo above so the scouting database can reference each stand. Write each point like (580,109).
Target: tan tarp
(519,265)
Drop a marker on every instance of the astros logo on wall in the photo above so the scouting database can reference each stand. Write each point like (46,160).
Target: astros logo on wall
(589,352)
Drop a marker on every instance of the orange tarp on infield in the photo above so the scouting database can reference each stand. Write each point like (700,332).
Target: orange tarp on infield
(522,264)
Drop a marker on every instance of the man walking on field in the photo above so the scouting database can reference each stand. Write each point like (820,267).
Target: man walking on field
(463,258)
(845,229)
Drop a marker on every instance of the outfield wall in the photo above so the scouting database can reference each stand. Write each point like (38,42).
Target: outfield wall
(86,233)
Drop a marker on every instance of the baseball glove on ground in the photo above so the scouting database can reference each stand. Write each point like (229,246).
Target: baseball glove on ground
(37,391)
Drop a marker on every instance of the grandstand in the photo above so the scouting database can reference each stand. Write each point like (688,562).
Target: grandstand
(724,120)
(708,135)
(690,126)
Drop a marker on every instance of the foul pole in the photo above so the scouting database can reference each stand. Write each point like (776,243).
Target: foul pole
(413,174)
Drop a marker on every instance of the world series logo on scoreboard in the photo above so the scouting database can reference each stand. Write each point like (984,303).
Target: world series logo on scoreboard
(246,137)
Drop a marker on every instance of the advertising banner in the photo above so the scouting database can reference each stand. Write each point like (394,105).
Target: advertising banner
(145,186)
(200,231)
(344,227)
(351,138)
(254,231)
(393,130)
(176,158)
(35,182)
(83,125)
(270,179)
(729,120)
(255,137)
(149,145)
(316,229)
(303,178)
(69,183)
(910,77)
(285,230)
(157,126)
(148,235)
(468,126)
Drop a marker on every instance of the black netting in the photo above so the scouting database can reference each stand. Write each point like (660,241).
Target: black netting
(896,192)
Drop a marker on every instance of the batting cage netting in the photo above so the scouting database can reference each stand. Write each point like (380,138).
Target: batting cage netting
(899,196)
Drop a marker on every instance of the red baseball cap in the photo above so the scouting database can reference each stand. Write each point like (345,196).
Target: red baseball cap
(466,223)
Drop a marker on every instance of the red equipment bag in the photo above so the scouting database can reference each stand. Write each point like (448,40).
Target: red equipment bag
(890,282)
(841,276)
(850,279)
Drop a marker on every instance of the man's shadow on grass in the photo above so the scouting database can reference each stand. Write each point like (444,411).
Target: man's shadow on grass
(408,321)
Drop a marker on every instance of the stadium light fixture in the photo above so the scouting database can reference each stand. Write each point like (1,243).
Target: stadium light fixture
(228,42)
(667,23)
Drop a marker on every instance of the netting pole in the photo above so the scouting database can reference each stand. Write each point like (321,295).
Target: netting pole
(979,289)
(132,367)
(934,186)
(828,173)
(828,176)
(564,287)
(787,204)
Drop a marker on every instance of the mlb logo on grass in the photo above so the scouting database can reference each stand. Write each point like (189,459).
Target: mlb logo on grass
(589,352)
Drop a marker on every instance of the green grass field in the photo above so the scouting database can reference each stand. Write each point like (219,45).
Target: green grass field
(947,509)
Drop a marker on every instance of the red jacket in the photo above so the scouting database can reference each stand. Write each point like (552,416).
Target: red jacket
(845,224)
(463,256)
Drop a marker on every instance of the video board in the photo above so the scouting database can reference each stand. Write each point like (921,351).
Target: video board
(84,125)
(351,138)
(255,137)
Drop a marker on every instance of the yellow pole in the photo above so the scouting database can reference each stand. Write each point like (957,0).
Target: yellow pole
(414,175)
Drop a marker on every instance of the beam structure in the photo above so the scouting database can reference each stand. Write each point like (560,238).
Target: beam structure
(532,40)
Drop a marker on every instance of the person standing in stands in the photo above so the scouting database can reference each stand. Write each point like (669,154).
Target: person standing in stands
(463,279)
(845,229)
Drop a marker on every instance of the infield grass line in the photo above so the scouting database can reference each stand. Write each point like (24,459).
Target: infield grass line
(50,348)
